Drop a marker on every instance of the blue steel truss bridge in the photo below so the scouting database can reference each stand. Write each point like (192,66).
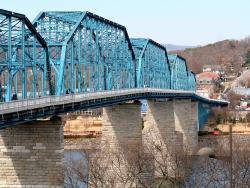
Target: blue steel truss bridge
(70,60)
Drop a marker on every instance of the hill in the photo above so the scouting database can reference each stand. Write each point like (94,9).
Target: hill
(243,80)
(172,47)
(229,54)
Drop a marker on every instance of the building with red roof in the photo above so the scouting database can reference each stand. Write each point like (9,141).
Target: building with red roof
(206,82)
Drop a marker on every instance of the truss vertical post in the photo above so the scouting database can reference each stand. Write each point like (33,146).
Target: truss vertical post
(61,71)
(44,74)
(24,73)
(72,75)
(9,83)
(35,84)
(79,61)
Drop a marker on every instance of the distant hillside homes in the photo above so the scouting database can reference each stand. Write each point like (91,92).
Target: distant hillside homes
(229,54)
(241,91)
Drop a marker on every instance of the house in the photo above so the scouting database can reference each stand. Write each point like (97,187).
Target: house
(206,83)
(213,68)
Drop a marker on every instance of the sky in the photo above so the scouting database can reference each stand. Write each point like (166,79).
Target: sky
(179,22)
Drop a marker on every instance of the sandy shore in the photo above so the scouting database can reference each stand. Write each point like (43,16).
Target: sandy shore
(237,128)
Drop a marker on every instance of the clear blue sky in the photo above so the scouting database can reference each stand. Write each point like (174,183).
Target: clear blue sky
(182,22)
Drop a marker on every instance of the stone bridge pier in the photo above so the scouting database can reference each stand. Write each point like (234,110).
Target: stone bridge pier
(186,115)
(122,140)
(151,144)
(134,151)
(31,155)
(160,138)
(169,133)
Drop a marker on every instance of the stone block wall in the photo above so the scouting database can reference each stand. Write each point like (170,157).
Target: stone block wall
(122,126)
(160,138)
(194,124)
(186,122)
(126,165)
(160,119)
(31,155)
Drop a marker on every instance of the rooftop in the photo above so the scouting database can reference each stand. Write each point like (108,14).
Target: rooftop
(211,75)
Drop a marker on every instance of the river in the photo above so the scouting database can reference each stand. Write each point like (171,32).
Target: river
(205,172)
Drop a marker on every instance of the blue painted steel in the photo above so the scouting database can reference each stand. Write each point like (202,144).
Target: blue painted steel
(191,81)
(204,113)
(179,72)
(153,69)
(83,101)
(23,59)
(89,53)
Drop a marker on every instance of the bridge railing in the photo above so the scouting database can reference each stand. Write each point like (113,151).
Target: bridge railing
(20,105)
(29,104)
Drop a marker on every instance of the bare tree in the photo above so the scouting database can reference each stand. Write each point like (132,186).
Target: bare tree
(76,170)
(108,168)
(215,172)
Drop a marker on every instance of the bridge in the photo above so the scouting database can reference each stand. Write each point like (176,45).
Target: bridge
(67,61)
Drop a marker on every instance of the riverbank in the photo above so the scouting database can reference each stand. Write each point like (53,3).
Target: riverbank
(240,128)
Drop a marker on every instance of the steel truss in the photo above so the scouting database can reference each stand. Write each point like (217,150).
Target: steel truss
(88,52)
(24,63)
(191,81)
(179,72)
(205,111)
(153,69)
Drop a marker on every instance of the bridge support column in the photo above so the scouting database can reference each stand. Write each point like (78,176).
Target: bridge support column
(122,139)
(31,155)
(186,122)
(160,138)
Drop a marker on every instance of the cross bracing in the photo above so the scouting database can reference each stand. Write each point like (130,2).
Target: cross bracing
(88,52)
(179,72)
(191,81)
(153,68)
(85,59)
(75,51)
(24,63)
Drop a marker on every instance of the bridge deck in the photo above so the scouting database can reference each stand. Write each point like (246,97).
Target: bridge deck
(16,112)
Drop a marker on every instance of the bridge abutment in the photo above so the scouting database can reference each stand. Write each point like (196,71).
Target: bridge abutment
(31,155)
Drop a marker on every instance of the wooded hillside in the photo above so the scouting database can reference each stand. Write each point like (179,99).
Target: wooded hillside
(230,54)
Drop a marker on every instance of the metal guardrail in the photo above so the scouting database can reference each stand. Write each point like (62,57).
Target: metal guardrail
(29,104)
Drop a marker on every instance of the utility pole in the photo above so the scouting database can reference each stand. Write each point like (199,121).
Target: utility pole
(231,154)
